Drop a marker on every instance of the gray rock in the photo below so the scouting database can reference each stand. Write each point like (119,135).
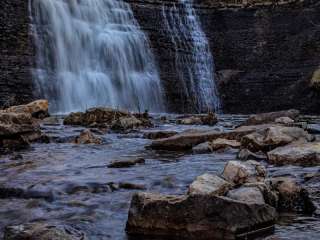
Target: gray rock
(247,194)
(196,217)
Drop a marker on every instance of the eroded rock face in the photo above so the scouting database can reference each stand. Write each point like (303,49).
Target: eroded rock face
(238,172)
(209,184)
(125,123)
(196,216)
(17,130)
(275,136)
(222,143)
(304,154)
(42,231)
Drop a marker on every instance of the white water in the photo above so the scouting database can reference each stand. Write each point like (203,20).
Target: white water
(92,53)
(193,56)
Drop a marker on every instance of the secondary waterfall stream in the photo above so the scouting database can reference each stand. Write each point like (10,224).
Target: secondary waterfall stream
(92,53)
(193,56)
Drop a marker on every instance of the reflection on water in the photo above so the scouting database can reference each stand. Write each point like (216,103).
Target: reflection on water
(70,183)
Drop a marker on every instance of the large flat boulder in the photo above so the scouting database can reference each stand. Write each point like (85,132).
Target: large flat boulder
(197,217)
(42,231)
(304,154)
(270,117)
(274,136)
(209,184)
(187,140)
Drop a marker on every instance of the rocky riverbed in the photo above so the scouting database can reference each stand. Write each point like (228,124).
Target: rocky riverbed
(77,177)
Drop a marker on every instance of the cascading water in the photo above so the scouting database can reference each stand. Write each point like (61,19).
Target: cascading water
(92,53)
(193,57)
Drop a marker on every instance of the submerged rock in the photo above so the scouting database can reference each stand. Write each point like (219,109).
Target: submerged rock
(244,172)
(87,137)
(245,154)
(38,109)
(270,117)
(197,217)
(200,119)
(304,154)
(209,184)
(159,134)
(291,195)
(42,231)
(126,164)
(275,136)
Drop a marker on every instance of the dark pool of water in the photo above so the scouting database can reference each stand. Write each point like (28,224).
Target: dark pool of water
(73,178)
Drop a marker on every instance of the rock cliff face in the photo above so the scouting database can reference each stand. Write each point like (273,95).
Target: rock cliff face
(16,53)
(267,53)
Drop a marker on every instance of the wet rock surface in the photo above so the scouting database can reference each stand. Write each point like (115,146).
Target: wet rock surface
(72,183)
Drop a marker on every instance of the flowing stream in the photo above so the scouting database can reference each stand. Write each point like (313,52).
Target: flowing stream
(193,56)
(92,53)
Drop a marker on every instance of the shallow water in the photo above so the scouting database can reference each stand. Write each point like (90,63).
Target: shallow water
(69,182)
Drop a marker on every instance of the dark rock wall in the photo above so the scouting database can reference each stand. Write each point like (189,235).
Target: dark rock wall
(265,54)
(16,53)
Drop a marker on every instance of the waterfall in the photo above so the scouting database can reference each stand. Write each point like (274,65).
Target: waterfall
(92,53)
(194,60)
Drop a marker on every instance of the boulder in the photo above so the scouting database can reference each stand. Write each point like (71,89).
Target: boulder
(200,119)
(244,172)
(126,164)
(125,123)
(245,154)
(291,195)
(17,130)
(189,139)
(270,117)
(38,109)
(197,217)
(159,134)
(275,136)
(221,143)
(99,116)
(87,137)
(202,148)
(247,194)
(304,154)
(284,120)
(209,184)
(42,231)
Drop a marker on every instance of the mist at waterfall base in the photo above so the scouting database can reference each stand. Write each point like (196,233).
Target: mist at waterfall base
(195,69)
(92,53)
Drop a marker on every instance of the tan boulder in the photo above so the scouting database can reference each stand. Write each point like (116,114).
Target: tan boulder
(209,184)
(274,136)
(38,109)
(244,172)
(222,143)
(87,137)
(304,154)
